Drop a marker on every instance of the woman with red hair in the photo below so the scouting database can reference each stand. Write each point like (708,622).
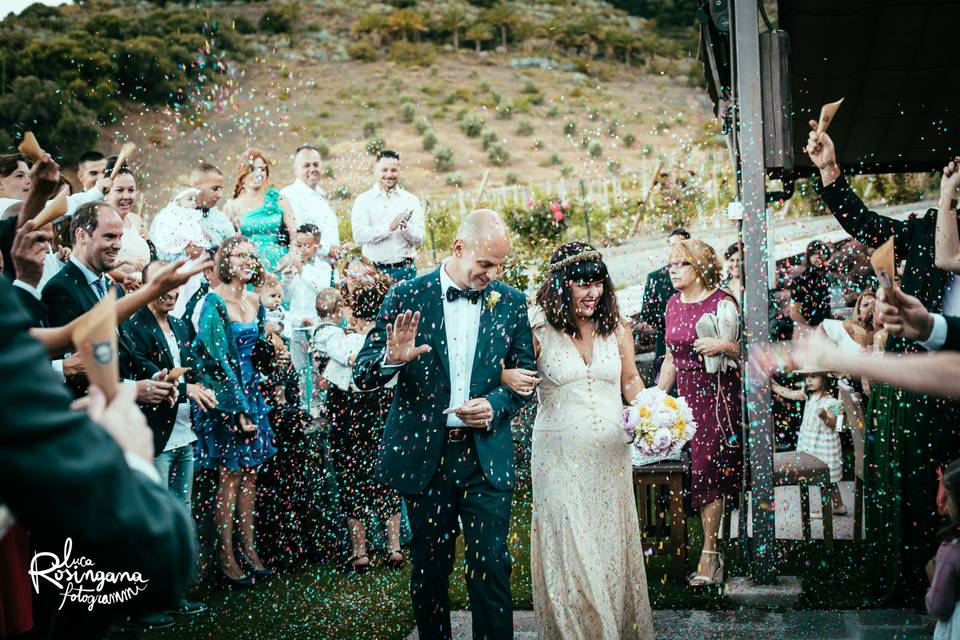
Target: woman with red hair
(259,211)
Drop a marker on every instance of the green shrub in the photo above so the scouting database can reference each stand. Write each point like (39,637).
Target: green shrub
(529,87)
(566,171)
(363,51)
(525,128)
(413,54)
(408,112)
(555,159)
(484,87)
(421,124)
(370,127)
(535,225)
(443,159)
(323,147)
(553,111)
(646,150)
(429,140)
(489,138)
(243,25)
(497,155)
(512,178)
(593,113)
(569,128)
(629,140)
(454,179)
(275,21)
(497,99)
(340,192)
(328,172)
(613,167)
(472,125)
(376,145)
(595,149)
(537,144)
(504,111)
(612,128)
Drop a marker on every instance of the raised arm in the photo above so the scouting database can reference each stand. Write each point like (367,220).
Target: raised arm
(947,241)
(390,344)
(867,226)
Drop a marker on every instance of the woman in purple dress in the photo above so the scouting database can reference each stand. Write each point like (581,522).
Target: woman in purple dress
(714,397)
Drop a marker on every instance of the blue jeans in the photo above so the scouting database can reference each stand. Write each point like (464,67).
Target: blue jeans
(176,472)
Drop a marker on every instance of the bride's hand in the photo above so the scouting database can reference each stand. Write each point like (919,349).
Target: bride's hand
(521,381)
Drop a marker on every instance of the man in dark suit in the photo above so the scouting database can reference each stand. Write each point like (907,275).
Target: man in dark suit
(63,476)
(447,445)
(903,469)
(656,293)
(97,231)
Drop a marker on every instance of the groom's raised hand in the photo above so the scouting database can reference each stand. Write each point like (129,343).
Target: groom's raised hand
(401,339)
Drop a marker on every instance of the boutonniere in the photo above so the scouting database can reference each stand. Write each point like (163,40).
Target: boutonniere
(492,299)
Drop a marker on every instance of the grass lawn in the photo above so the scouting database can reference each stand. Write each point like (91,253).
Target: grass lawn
(322,602)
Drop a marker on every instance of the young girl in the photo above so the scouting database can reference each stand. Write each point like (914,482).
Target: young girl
(945,580)
(818,430)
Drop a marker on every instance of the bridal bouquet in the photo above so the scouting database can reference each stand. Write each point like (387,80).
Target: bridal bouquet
(658,426)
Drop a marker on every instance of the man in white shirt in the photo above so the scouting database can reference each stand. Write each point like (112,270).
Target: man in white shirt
(208,180)
(309,202)
(388,221)
(90,171)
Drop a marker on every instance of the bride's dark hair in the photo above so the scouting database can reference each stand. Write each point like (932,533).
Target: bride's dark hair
(577,262)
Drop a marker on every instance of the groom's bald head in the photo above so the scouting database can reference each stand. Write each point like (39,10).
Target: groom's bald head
(480,248)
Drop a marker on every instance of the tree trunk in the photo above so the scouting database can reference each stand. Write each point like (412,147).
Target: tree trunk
(528,46)
(456,39)
(503,35)
(477,44)
(626,56)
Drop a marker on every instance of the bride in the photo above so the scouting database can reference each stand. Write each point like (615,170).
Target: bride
(588,573)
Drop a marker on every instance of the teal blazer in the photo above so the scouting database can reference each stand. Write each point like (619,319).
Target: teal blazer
(416,425)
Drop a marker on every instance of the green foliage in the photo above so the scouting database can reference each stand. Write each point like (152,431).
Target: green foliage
(412,54)
(421,125)
(504,111)
(497,155)
(553,111)
(537,224)
(443,159)
(370,127)
(569,128)
(555,159)
(525,128)
(323,147)
(376,145)
(278,20)
(595,149)
(244,25)
(512,178)
(613,167)
(340,192)
(64,127)
(537,144)
(629,140)
(328,172)
(407,112)
(489,138)
(472,125)
(429,140)
(454,179)
(363,51)
(529,87)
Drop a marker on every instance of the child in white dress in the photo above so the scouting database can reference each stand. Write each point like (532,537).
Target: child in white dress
(818,430)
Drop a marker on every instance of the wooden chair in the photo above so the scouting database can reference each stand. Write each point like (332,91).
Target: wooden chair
(856,422)
(804,470)
(669,474)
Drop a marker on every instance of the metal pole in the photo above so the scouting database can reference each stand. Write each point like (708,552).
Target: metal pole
(749,123)
(586,211)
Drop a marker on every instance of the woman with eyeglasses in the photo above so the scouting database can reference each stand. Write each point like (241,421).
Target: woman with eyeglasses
(235,436)
(703,361)
(259,211)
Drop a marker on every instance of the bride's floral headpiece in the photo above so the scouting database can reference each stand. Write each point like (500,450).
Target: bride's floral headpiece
(584,264)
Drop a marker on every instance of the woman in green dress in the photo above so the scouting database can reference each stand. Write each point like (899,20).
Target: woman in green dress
(259,211)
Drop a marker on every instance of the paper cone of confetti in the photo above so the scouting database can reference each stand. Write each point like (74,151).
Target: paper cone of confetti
(827,112)
(175,373)
(126,152)
(55,208)
(30,147)
(95,339)
(883,266)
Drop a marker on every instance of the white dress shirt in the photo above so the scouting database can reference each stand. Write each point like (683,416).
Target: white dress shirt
(182,433)
(461,321)
(310,207)
(92,278)
(301,289)
(373,211)
(74,200)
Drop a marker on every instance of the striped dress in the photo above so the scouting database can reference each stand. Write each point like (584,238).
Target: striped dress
(817,438)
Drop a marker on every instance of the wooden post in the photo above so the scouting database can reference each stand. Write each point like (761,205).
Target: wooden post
(646,199)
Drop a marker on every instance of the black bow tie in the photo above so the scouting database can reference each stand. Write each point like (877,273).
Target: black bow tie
(205,211)
(473,295)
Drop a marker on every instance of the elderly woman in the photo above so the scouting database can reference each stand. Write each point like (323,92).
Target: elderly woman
(715,398)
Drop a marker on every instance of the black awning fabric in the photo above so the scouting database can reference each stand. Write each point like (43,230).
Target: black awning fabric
(896,63)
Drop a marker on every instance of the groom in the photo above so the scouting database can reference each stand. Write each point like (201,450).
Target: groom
(447,446)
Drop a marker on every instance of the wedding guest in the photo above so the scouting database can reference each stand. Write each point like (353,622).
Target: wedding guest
(234,437)
(357,422)
(94,182)
(818,430)
(856,332)
(716,455)
(135,252)
(14,180)
(259,211)
(309,202)
(942,596)
(656,293)
(177,229)
(903,443)
(810,290)
(388,221)
(733,283)
(190,310)
(208,180)
(122,520)
(97,230)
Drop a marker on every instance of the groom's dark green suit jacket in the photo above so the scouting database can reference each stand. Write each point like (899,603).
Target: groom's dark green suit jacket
(416,425)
